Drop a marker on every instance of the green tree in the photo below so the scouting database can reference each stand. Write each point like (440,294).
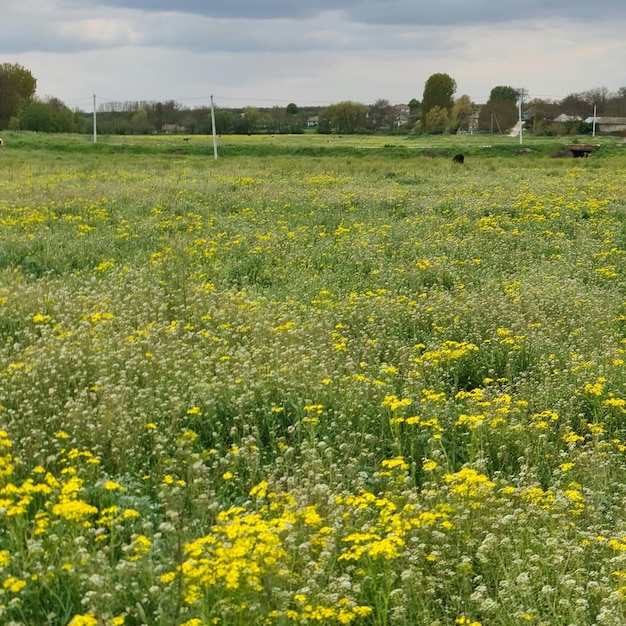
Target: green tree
(292,109)
(436,120)
(49,116)
(504,94)
(346,117)
(223,121)
(17,88)
(461,113)
(139,124)
(414,105)
(248,122)
(438,92)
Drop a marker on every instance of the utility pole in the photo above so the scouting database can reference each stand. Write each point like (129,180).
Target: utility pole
(94,119)
(214,131)
(593,132)
(521,93)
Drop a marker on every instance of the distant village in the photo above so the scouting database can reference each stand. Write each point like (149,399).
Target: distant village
(438,112)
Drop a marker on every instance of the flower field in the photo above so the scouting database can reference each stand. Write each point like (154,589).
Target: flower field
(336,388)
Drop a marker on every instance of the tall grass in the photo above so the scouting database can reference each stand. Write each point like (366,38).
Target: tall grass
(371,388)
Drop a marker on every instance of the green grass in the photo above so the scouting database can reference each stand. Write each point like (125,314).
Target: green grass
(319,380)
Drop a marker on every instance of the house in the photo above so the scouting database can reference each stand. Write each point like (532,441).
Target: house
(172,129)
(312,122)
(611,124)
(608,124)
(567,118)
(401,114)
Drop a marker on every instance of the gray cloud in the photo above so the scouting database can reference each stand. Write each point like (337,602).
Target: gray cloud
(312,51)
(425,12)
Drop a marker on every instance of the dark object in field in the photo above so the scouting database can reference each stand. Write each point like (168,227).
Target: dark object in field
(581,150)
(458,158)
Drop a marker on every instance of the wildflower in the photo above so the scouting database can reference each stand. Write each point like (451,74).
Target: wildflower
(398,463)
(5,558)
(83,620)
(111,485)
(465,621)
(167,578)
(14,585)
(393,402)
(73,510)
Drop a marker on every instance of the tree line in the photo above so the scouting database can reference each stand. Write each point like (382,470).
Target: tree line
(438,112)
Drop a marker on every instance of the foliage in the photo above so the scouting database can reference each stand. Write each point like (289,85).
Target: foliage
(17,88)
(461,113)
(438,92)
(346,117)
(435,121)
(497,116)
(316,389)
(504,93)
(51,116)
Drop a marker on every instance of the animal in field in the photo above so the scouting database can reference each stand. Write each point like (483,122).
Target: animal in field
(458,158)
(1,143)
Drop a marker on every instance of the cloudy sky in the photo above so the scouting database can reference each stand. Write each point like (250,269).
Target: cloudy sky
(316,52)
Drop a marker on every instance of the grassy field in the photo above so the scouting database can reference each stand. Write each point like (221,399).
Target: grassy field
(320,380)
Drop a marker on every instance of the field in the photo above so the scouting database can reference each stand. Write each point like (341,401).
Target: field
(319,380)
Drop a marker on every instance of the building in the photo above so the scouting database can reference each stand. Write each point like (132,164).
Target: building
(608,124)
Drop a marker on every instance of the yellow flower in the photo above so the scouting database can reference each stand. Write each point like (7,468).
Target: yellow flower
(167,578)
(14,585)
(73,510)
(111,485)
(5,558)
(83,620)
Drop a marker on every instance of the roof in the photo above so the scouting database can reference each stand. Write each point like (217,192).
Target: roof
(567,118)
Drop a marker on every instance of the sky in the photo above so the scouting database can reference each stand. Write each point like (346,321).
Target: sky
(267,53)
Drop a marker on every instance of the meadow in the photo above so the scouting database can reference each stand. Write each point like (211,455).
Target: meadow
(319,380)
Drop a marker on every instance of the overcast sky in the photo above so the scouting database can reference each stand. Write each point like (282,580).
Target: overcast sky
(316,52)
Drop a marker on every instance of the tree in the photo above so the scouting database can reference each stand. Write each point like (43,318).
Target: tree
(248,122)
(497,116)
(346,117)
(461,113)
(49,116)
(597,96)
(504,94)
(17,88)
(381,114)
(414,105)
(436,120)
(139,124)
(292,109)
(223,121)
(438,92)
